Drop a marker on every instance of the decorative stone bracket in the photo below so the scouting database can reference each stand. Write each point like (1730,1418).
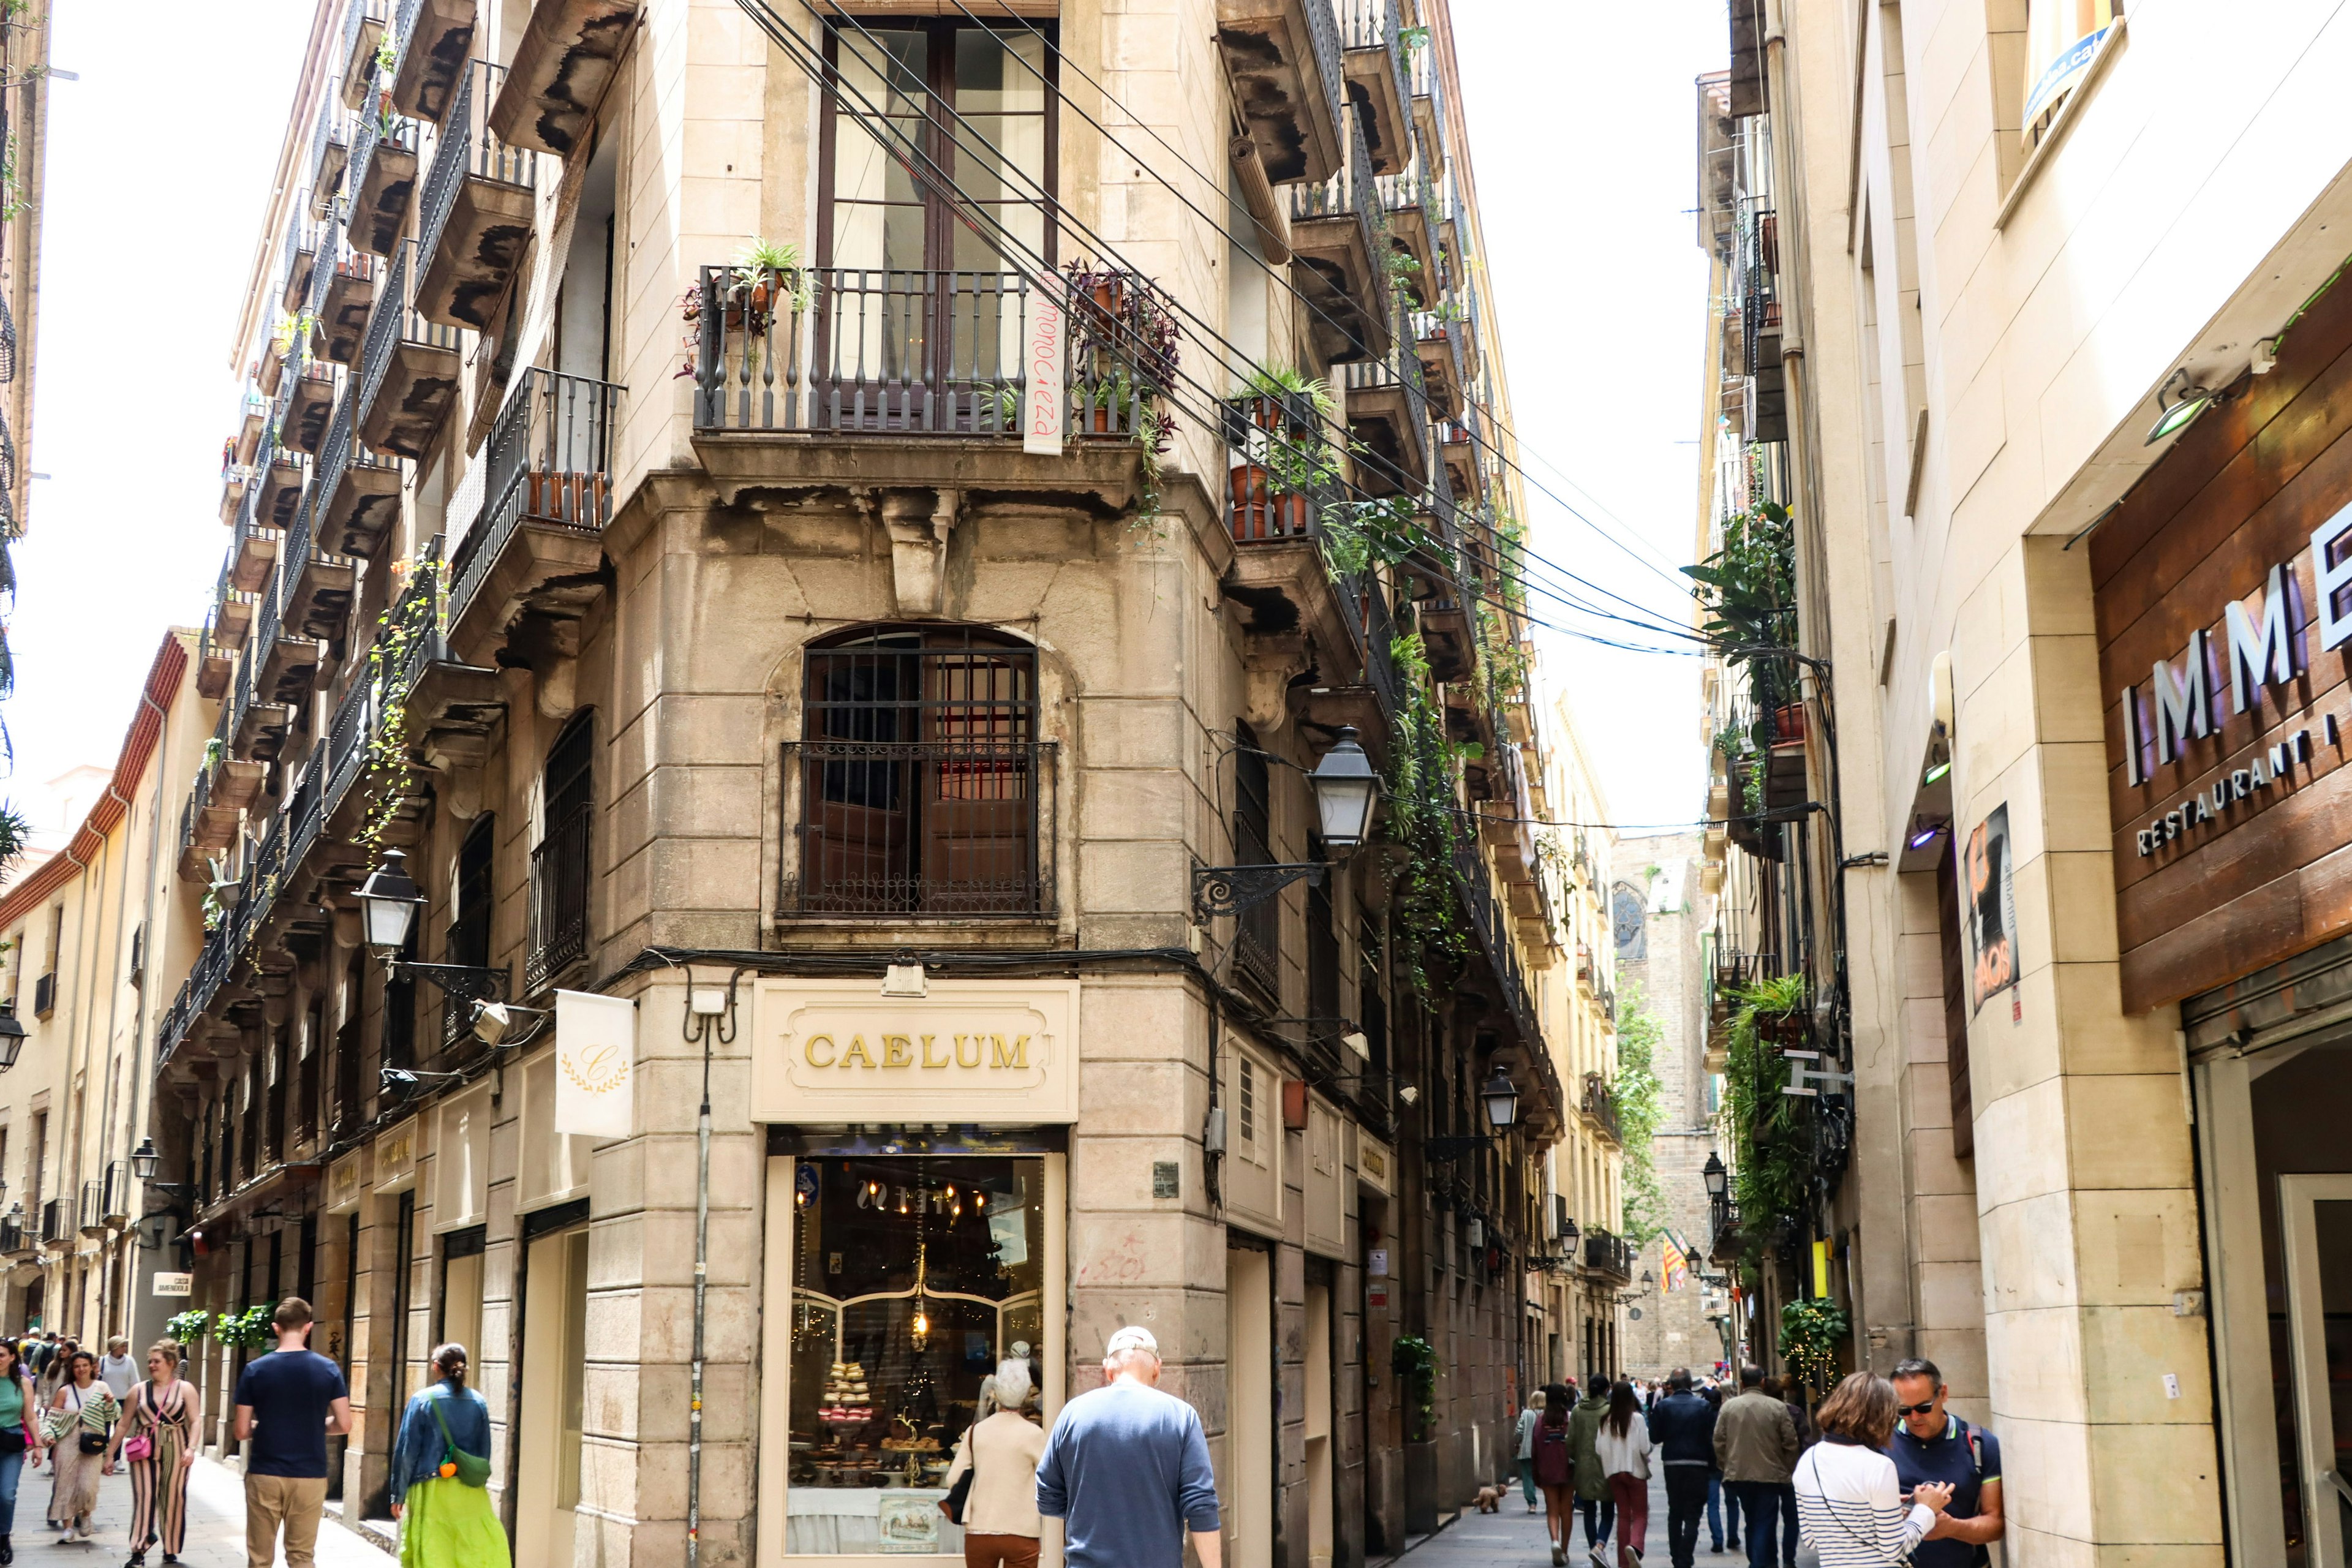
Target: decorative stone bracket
(1269,664)
(919,523)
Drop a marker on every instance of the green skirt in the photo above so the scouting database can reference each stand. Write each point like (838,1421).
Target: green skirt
(449,1524)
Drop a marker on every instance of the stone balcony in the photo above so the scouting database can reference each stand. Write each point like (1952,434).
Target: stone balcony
(569,51)
(1283,59)
(476,209)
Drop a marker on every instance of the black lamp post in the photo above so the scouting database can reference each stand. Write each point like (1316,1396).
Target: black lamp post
(1501,1098)
(1347,793)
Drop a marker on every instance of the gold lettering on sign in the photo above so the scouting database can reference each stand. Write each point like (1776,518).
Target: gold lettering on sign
(1018,1058)
(856,1052)
(897,1050)
(810,1050)
(931,1061)
(975,1050)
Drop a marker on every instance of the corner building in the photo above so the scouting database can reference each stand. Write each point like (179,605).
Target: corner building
(641,518)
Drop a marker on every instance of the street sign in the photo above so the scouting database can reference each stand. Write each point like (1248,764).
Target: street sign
(175,1284)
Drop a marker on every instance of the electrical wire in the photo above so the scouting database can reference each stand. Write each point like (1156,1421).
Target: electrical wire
(921,166)
(1281,277)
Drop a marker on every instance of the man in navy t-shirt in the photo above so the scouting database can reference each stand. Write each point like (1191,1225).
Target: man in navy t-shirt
(1931,1446)
(288,1404)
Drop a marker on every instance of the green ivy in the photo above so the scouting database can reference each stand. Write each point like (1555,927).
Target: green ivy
(1639,1111)
(1414,1360)
(1358,535)
(1772,1157)
(1747,590)
(387,755)
(1424,817)
(1809,1332)
(250,1330)
(188,1327)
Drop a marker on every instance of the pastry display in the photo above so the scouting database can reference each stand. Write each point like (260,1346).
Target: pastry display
(845,1402)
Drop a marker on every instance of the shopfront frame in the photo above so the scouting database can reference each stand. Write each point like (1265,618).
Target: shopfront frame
(875,1112)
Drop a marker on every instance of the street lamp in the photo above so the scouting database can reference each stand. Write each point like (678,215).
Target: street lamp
(1346,791)
(389,901)
(1502,1098)
(12,1038)
(1717,1177)
(144,1160)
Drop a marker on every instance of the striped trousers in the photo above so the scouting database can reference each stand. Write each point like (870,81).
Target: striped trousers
(159,1499)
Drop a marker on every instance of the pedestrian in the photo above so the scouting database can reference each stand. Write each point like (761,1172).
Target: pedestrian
(81,1413)
(1682,1423)
(1593,1498)
(116,1369)
(20,1439)
(1527,1419)
(1712,1394)
(1755,1444)
(1552,1461)
(443,1502)
(156,1441)
(53,1369)
(1624,1446)
(1127,1470)
(1848,1497)
(1792,1395)
(1002,1527)
(1930,1445)
(288,1403)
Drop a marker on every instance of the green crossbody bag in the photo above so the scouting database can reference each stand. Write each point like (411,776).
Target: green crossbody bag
(473,1469)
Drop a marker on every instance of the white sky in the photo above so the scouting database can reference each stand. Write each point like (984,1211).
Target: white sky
(1582,115)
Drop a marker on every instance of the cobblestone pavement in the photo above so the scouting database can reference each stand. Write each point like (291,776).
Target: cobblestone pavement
(1514,1538)
(215,1527)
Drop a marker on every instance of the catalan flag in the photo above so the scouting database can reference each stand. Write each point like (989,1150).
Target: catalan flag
(1677,1260)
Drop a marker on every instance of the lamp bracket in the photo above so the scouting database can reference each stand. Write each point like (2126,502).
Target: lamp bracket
(1230,890)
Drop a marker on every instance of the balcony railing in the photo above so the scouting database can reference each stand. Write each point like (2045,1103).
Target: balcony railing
(560,873)
(894,829)
(549,463)
(1601,1104)
(469,151)
(14,1242)
(1610,1257)
(331,155)
(44,995)
(1281,469)
(884,352)
(116,1209)
(397,323)
(56,1220)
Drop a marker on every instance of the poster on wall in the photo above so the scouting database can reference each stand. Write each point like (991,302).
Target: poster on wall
(1991,911)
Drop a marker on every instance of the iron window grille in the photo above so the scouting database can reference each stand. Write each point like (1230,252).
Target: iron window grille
(920,788)
(559,865)
(1258,934)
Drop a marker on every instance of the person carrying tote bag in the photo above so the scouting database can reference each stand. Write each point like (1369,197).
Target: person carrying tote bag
(996,1469)
(439,1473)
(80,1416)
(1850,1507)
(156,1443)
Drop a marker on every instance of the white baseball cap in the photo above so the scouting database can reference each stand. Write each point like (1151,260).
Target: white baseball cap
(1131,1339)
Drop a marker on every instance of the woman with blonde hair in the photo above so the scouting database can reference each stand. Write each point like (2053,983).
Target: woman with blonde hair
(1848,1499)
(156,1439)
(999,1453)
(81,1413)
(440,1470)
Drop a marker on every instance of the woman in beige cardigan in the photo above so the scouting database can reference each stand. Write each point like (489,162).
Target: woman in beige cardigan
(1000,1514)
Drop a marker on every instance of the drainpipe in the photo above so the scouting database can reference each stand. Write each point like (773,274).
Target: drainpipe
(701,1278)
(113,999)
(141,1065)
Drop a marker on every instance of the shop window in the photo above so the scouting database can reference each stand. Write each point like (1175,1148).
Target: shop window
(559,865)
(912,1279)
(921,787)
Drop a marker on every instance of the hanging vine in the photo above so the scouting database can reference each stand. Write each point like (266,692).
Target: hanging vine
(1424,816)
(1414,1360)
(386,769)
(1771,1162)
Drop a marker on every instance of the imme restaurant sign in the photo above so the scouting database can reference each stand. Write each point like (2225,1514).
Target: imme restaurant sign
(976,1051)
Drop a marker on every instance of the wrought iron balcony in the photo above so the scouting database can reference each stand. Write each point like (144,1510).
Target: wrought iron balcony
(1601,1103)
(1283,58)
(44,995)
(883,352)
(1339,247)
(479,199)
(408,366)
(354,503)
(1608,1259)
(350,300)
(546,498)
(1408,201)
(432,42)
(1378,88)
(302,237)
(310,397)
(951,830)
(57,1221)
(363,25)
(383,159)
(315,586)
(331,155)
(13,1241)
(1388,418)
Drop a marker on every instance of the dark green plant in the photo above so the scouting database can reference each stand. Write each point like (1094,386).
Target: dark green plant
(1424,817)
(188,1327)
(1811,1330)
(1359,535)
(249,1330)
(1414,1360)
(1747,590)
(1640,1109)
(1771,1158)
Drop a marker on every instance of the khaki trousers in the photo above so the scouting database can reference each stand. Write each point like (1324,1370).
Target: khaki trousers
(294,1502)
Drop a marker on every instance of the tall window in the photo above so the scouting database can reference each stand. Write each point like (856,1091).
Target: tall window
(469,931)
(559,867)
(973,98)
(919,782)
(1258,941)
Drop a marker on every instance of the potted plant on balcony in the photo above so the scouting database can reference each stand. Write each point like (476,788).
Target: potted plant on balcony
(767,275)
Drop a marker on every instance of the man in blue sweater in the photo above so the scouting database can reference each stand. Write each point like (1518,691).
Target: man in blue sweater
(1127,1470)
(1683,1426)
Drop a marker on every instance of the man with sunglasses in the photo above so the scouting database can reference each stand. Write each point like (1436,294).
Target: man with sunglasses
(1930,1445)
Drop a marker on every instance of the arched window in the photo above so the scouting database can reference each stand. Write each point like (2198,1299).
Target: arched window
(919,780)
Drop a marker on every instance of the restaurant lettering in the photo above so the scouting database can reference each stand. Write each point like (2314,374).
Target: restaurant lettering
(923,1052)
(2264,642)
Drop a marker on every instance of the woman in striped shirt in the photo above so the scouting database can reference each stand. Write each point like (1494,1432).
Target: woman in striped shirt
(1850,1505)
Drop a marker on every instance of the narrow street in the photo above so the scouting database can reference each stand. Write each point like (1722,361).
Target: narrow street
(1515,1538)
(215,1526)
